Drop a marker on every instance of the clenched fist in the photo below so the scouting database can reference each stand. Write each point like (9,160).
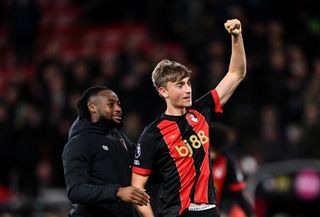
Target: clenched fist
(233,27)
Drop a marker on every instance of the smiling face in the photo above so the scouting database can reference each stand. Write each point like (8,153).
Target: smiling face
(178,95)
(106,105)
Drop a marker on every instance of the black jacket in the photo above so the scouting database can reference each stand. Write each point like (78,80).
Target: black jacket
(96,163)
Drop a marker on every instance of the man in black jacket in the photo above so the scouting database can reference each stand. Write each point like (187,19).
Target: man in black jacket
(97,159)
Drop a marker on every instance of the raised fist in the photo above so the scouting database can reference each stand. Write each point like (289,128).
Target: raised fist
(233,27)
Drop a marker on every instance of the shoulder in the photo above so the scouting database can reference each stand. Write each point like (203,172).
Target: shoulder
(79,142)
(229,156)
(152,128)
(151,132)
(78,139)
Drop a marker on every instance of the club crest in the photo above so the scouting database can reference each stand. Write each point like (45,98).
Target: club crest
(193,118)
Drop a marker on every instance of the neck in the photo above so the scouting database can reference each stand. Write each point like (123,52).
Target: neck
(175,111)
(94,118)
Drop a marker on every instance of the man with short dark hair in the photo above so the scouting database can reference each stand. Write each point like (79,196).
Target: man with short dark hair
(97,159)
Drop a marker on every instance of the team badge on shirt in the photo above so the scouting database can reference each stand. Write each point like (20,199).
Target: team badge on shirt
(193,118)
(218,172)
(138,151)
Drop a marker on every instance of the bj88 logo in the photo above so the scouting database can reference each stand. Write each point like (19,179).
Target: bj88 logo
(194,141)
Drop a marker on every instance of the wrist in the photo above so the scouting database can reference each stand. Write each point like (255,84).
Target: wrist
(118,193)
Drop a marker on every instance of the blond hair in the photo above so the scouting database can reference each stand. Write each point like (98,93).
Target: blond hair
(167,70)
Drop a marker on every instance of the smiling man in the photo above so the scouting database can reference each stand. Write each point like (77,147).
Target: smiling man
(176,145)
(97,159)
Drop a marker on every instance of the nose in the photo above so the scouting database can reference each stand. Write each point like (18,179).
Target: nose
(117,108)
(187,88)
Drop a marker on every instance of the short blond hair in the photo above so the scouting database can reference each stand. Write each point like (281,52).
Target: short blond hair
(167,70)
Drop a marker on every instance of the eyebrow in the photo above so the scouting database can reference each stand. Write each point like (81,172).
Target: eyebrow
(181,81)
(110,100)
(113,100)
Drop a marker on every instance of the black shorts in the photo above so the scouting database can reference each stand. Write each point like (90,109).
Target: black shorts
(213,212)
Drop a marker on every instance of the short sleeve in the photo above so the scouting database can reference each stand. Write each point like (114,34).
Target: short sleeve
(216,99)
(210,101)
(145,154)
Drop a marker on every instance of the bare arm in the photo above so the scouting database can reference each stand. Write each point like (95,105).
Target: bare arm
(237,67)
(140,181)
(134,195)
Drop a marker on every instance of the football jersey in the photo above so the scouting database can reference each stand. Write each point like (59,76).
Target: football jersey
(177,147)
(227,177)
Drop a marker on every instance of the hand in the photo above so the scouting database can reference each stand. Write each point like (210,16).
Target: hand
(134,195)
(233,27)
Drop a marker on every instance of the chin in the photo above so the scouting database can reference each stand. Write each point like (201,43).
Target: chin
(188,105)
(113,123)
(117,124)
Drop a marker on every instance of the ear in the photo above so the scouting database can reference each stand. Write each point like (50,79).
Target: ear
(92,108)
(163,92)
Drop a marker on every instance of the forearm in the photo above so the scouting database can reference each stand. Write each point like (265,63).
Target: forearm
(93,194)
(238,57)
(140,181)
(237,66)
(145,211)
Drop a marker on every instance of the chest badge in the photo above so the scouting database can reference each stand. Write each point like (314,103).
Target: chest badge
(105,147)
(218,173)
(193,118)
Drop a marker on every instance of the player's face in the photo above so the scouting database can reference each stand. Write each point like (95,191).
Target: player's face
(108,107)
(179,93)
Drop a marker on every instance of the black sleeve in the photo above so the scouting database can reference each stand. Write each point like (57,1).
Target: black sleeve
(76,161)
(208,103)
(145,154)
(235,179)
(234,174)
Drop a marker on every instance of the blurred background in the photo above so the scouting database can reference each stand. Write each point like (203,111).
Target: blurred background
(52,50)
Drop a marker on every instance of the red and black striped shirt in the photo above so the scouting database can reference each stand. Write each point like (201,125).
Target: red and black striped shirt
(177,147)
